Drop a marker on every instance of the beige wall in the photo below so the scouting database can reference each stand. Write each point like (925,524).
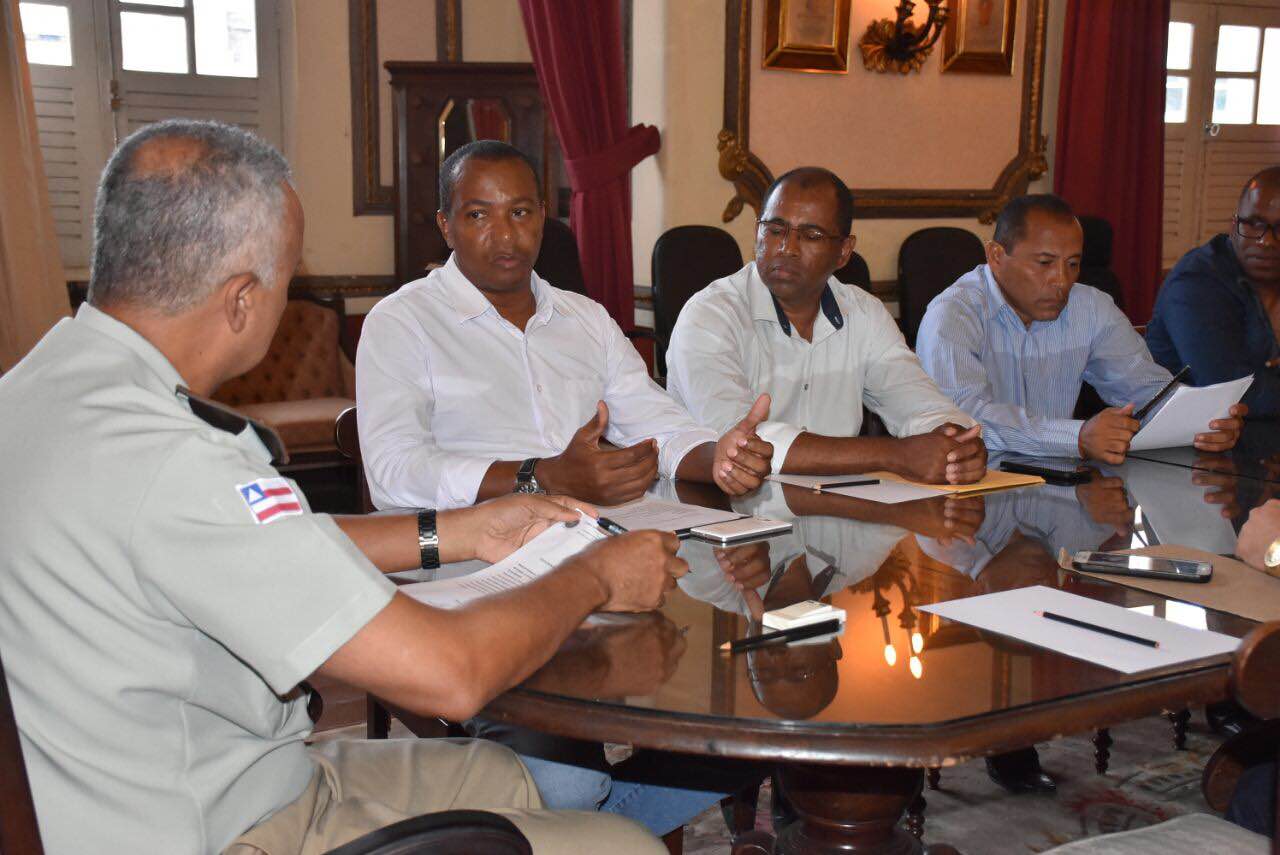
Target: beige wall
(677,84)
(684,97)
(318,113)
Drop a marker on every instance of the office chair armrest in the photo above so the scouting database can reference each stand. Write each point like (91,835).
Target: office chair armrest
(450,832)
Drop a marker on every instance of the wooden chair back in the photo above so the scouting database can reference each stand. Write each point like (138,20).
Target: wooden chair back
(930,261)
(558,260)
(19,832)
(1255,671)
(346,435)
(685,260)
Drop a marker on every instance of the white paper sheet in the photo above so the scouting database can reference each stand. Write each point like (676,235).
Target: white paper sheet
(886,492)
(664,515)
(534,559)
(1013,613)
(1187,413)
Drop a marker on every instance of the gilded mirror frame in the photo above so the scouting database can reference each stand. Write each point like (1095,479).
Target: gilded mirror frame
(750,177)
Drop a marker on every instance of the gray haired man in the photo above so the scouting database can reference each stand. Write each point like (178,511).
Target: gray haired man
(164,592)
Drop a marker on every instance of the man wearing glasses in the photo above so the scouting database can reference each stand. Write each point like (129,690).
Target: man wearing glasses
(1219,310)
(784,325)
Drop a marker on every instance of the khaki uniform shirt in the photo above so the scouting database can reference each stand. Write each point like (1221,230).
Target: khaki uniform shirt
(161,587)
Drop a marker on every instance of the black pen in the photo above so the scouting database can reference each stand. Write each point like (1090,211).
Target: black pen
(861,482)
(1114,633)
(782,636)
(1168,387)
(610,526)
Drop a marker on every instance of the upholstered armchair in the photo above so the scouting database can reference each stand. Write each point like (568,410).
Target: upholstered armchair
(305,381)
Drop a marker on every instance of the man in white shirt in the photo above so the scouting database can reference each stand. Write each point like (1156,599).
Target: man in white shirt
(820,349)
(481,365)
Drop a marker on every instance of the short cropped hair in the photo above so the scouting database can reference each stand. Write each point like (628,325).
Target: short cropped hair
(489,150)
(1011,224)
(812,176)
(167,239)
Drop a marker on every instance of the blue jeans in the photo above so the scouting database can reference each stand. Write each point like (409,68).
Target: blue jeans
(658,808)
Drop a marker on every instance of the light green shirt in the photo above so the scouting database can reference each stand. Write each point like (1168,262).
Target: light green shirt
(149,621)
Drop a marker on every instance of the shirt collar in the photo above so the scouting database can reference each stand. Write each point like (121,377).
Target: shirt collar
(470,303)
(95,319)
(765,306)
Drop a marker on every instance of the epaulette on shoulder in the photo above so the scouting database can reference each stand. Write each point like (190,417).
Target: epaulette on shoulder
(224,418)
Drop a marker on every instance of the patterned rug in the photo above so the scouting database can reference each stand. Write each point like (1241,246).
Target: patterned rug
(1148,781)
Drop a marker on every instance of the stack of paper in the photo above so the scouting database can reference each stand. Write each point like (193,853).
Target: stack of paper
(536,558)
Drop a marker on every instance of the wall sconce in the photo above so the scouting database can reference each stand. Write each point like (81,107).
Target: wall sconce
(898,44)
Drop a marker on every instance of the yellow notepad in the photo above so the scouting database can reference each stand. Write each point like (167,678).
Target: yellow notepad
(993,480)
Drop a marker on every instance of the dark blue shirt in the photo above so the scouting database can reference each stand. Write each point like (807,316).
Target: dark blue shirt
(1208,316)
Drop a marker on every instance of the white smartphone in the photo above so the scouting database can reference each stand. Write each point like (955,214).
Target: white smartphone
(740,529)
(1175,570)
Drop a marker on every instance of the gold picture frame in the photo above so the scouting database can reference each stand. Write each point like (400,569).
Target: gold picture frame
(750,177)
(979,35)
(807,35)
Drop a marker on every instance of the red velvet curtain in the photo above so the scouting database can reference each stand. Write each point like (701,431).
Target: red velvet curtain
(577,52)
(1109,158)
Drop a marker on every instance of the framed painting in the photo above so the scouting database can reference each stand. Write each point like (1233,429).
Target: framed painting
(807,35)
(978,37)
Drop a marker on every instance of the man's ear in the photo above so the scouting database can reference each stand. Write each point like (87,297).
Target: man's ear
(240,295)
(846,249)
(996,254)
(442,221)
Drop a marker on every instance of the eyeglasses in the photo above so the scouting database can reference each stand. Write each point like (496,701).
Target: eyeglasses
(775,230)
(1257,229)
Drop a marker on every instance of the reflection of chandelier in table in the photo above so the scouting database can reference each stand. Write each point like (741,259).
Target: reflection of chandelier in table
(898,44)
(907,618)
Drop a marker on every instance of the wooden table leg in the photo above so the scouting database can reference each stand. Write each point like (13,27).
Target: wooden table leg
(849,810)
(1101,750)
(1179,721)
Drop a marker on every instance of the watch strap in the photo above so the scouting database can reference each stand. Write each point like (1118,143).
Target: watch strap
(428,540)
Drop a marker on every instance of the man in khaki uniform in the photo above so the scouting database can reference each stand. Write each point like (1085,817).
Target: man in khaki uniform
(163,591)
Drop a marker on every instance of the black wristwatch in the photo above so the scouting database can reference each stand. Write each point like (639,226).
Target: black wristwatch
(428,540)
(525,482)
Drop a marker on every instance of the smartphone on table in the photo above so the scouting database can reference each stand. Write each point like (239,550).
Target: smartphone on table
(1171,569)
(1063,471)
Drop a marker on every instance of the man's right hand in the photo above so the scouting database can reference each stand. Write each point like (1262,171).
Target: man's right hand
(586,471)
(924,457)
(1107,435)
(635,570)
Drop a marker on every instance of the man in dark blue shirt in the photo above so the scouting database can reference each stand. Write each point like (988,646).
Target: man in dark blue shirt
(1219,310)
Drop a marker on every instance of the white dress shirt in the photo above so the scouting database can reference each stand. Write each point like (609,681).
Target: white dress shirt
(733,342)
(446,387)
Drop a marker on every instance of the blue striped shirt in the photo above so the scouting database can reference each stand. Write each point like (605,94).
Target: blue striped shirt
(1022,383)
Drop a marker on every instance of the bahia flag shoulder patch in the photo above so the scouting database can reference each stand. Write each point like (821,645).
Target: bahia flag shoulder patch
(270,499)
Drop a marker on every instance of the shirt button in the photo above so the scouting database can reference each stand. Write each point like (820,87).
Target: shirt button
(539,388)
(806,387)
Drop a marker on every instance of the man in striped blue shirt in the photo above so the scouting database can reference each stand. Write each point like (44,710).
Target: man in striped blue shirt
(1012,340)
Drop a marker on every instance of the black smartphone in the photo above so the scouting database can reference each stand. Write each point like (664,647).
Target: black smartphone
(1053,470)
(1172,569)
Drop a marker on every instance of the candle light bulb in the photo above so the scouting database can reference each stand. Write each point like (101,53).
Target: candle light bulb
(917,642)
(917,667)
(890,655)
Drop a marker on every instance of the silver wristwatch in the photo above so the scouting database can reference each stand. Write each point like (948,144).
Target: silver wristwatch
(525,480)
